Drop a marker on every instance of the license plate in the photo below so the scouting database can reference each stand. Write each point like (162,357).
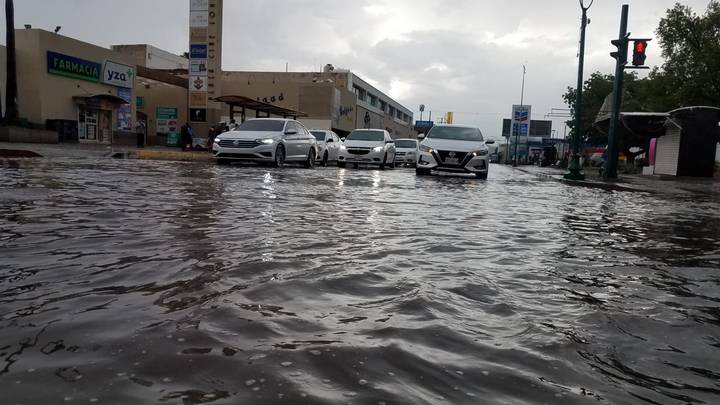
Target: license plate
(452,160)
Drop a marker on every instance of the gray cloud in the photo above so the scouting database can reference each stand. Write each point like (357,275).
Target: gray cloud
(460,55)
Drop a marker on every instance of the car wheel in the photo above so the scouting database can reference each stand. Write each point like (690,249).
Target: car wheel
(382,165)
(324,159)
(310,161)
(280,156)
(482,176)
(341,165)
(422,172)
(222,162)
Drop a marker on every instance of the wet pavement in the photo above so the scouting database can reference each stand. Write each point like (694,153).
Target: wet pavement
(142,282)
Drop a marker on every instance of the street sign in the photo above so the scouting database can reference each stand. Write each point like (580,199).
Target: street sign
(520,120)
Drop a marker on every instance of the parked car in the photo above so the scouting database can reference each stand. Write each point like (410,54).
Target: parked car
(328,145)
(368,146)
(406,152)
(453,148)
(267,140)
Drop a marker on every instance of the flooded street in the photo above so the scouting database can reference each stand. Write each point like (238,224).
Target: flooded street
(141,282)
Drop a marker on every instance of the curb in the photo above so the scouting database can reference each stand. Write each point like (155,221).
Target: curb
(583,183)
(18,153)
(169,155)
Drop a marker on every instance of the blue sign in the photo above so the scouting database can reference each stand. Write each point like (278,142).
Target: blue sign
(424,123)
(198,51)
(71,66)
(125,94)
(519,129)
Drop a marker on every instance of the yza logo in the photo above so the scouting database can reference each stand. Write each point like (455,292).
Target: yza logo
(118,76)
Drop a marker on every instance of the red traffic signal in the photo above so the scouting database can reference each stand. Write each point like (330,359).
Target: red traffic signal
(639,48)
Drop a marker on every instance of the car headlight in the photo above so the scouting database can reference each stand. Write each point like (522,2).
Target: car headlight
(343,147)
(378,149)
(424,148)
(267,141)
(483,152)
(216,140)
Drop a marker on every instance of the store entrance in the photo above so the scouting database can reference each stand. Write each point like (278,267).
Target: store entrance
(94,125)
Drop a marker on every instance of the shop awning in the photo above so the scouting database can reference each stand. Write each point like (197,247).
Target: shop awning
(259,106)
(102,97)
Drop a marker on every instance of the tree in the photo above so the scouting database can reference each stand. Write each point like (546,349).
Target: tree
(691,47)
(11,109)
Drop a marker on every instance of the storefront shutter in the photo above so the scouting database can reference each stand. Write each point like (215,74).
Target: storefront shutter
(667,153)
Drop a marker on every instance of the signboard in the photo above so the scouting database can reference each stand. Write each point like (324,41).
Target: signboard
(198,19)
(71,66)
(198,51)
(166,120)
(198,83)
(198,5)
(198,99)
(198,67)
(124,113)
(198,34)
(520,120)
(198,115)
(117,74)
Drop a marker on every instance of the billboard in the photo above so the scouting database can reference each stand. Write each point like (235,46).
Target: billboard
(520,124)
(117,74)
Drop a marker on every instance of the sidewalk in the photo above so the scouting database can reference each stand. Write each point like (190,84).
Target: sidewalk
(632,182)
(84,151)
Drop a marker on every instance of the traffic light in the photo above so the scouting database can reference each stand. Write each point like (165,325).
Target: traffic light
(621,53)
(639,48)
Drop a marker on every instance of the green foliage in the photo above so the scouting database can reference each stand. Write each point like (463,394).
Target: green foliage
(690,75)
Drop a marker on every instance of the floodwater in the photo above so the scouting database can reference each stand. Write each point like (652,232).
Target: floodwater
(136,282)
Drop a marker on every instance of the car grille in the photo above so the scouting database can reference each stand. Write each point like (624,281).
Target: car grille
(445,154)
(230,143)
(399,153)
(356,151)
(237,155)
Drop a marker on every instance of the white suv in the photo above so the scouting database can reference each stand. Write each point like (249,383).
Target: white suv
(453,148)
(368,146)
(266,140)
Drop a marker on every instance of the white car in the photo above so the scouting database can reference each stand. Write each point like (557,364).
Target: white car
(328,145)
(368,146)
(453,148)
(267,140)
(406,151)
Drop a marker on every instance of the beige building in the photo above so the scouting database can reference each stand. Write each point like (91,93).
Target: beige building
(83,91)
(332,99)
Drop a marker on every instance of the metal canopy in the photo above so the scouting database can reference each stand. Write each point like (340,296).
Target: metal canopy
(258,106)
(113,99)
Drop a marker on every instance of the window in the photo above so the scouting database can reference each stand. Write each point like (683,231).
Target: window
(399,114)
(392,111)
(383,106)
(373,100)
(319,135)
(457,133)
(364,135)
(361,93)
(262,125)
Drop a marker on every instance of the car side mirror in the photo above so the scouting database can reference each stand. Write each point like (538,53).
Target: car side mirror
(291,132)
(390,141)
(329,140)
(342,139)
(421,136)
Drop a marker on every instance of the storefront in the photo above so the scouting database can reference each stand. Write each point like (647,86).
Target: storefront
(82,91)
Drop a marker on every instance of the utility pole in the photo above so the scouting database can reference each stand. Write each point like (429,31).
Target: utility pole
(610,171)
(574,168)
(522,108)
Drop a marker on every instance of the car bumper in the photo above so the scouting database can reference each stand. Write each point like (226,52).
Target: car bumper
(406,159)
(258,154)
(470,164)
(369,158)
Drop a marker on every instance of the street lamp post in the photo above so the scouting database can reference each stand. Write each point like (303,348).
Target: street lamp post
(574,168)
(522,108)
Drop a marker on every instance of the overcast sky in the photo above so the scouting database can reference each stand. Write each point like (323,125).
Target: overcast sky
(464,56)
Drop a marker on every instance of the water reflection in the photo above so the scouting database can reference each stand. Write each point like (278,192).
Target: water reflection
(137,282)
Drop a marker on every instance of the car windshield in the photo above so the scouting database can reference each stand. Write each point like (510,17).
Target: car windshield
(375,136)
(455,133)
(319,135)
(406,143)
(262,125)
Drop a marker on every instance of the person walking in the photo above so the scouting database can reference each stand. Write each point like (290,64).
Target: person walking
(185,137)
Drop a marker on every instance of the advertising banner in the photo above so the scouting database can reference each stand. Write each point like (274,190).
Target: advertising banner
(166,119)
(198,83)
(71,66)
(117,74)
(198,99)
(198,34)
(520,124)
(198,19)
(198,67)
(198,5)
(198,51)
(124,114)
(198,114)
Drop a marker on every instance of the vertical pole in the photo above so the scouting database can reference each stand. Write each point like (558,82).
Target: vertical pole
(574,168)
(610,171)
(522,108)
